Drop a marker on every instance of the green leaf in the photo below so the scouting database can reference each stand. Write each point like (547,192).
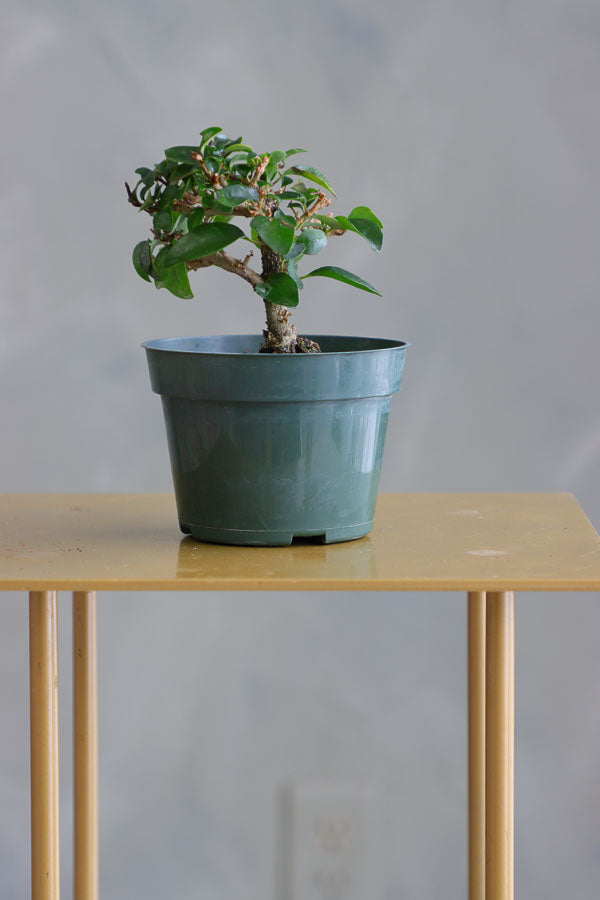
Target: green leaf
(279,288)
(221,140)
(170,193)
(308,192)
(313,239)
(147,176)
(313,175)
(173,278)
(345,276)
(180,223)
(163,220)
(204,240)
(209,133)
(182,170)
(238,160)
(363,227)
(276,157)
(287,220)
(331,222)
(367,229)
(213,205)
(142,259)
(293,151)
(195,218)
(150,199)
(235,148)
(293,271)
(200,182)
(165,167)
(363,212)
(297,251)
(275,233)
(234,195)
(370,231)
(340,223)
(180,154)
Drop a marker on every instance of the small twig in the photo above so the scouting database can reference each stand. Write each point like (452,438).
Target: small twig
(253,181)
(166,238)
(132,197)
(200,159)
(319,203)
(262,196)
(230,264)
(191,201)
(236,211)
(317,223)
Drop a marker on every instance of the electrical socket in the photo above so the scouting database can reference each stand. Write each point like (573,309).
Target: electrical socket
(330,835)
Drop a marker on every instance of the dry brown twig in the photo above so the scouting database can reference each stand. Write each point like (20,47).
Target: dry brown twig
(321,202)
(253,181)
(230,264)
(200,160)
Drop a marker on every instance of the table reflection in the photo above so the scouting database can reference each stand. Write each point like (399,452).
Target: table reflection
(303,558)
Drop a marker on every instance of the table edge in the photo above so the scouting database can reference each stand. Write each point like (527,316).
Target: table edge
(282,584)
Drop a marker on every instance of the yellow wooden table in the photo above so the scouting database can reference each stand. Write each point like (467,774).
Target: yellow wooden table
(488,545)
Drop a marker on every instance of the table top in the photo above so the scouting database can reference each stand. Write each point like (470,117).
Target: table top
(433,542)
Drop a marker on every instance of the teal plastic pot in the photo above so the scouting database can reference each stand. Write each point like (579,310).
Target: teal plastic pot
(266,448)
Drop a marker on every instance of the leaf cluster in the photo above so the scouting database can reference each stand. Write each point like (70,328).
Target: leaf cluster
(194,193)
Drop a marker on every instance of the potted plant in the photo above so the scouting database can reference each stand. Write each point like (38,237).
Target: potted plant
(271,436)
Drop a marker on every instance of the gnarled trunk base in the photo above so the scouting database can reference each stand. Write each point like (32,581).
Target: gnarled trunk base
(280,335)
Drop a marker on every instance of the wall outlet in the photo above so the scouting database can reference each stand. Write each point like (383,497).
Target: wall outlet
(330,837)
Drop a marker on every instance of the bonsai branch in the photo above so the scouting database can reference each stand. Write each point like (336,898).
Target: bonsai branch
(253,181)
(230,264)
(213,177)
(191,201)
(319,203)
(317,223)
(131,196)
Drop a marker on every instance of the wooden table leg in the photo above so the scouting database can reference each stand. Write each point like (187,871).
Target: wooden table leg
(476,706)
(500,740)
(85,747)
(43,687)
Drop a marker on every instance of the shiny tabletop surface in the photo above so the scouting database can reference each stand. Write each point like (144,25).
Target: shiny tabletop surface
(419,542)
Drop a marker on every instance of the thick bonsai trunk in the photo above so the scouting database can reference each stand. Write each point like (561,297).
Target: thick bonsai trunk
(280,335)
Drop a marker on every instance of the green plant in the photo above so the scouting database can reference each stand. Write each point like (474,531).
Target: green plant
(195,192)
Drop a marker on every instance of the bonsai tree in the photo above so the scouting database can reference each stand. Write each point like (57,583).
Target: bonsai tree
(193,195)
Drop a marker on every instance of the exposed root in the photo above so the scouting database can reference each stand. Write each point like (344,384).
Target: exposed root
(292,344)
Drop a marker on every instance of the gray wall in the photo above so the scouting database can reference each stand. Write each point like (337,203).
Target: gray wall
(473,129)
